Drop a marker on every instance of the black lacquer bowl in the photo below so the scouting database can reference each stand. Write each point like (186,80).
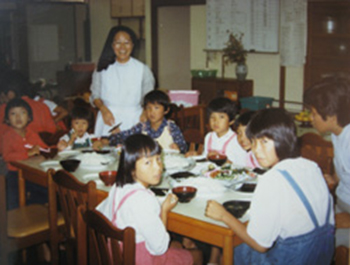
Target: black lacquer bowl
(237,208)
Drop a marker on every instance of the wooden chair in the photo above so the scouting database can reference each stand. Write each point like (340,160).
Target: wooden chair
(71,194)
(23,227)
(342,256)
(105,240)
(192,123)
(315,148)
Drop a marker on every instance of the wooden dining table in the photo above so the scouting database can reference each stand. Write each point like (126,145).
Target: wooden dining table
(187,219)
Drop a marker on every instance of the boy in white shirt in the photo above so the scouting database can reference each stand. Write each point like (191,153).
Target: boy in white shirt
(329,102)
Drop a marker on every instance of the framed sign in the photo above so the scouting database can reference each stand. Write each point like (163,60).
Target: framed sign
(257,20)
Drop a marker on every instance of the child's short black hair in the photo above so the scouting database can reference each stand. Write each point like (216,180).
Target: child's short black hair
(15,103)
(277,125)
(223,105)
(244,119)
(330,97)
(158,97)
(83,113)
(135,147)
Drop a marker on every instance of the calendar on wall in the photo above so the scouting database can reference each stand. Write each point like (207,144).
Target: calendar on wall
(258,20)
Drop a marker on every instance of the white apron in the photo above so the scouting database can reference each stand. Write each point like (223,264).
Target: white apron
(121,93)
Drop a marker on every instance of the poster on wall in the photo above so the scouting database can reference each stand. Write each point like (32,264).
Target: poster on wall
(258,20)
(43,43)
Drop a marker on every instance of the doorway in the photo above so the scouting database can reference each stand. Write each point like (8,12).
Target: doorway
(174,48)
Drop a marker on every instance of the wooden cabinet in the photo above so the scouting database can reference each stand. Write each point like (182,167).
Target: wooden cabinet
(328,47)
(127,8)
(211,88)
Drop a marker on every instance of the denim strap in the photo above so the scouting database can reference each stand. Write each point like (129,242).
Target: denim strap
(302,196)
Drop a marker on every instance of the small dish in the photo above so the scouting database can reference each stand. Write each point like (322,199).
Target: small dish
(70,164)
(237,208)
(185,193)
(218,159)
(108,177)
(247,187)
(182,175)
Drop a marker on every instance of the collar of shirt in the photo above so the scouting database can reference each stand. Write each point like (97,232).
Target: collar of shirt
(157,133)
(229,133)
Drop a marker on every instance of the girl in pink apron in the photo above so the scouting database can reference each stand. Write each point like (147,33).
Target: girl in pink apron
(222,112)
(131,203)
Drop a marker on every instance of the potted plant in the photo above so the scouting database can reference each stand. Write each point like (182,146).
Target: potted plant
(234,52)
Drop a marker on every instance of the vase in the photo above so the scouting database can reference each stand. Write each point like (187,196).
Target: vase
(241,71)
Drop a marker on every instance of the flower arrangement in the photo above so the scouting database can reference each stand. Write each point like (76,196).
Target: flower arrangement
(234,51)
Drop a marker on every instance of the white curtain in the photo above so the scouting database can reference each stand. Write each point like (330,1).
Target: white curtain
(293,30)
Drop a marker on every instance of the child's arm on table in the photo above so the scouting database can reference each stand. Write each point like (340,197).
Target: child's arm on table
(168,204)
(61,145)
(217,212)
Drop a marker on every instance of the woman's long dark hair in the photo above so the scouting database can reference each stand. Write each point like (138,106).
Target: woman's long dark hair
(135,147)
(108,56)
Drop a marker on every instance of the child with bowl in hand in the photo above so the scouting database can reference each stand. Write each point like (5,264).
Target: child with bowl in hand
(291,213)
(244,155)
(20,143)
(329,101)
(131,203)
(156,105)
(78,136)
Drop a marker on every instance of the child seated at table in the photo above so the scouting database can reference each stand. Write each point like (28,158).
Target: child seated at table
(131,203)
(221,140)
(156,105)
(329,101)
(244,156)
(291,213)
(78,136)
(20,143)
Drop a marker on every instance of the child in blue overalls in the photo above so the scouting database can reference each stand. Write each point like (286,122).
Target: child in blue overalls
(291,213)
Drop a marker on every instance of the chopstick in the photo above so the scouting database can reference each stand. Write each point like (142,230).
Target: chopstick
(114,127)
(46,150)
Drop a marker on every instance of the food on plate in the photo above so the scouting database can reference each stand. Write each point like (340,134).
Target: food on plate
(228,174)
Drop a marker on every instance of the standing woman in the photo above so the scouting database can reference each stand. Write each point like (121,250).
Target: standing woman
(119,83)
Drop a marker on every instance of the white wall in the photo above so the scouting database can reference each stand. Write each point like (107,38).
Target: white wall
(263,69)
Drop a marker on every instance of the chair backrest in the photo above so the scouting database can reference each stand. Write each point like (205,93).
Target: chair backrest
(109,244)
(315,148)
(71,194)
(192,123)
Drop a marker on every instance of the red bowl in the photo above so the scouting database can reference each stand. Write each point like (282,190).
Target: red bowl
(108,177)
(184,193)
(218,159)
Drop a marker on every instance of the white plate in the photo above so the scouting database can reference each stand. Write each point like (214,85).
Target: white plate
(67,153)
(94,177)
(170,151)
(93,161)
(55,164)
(177,162)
